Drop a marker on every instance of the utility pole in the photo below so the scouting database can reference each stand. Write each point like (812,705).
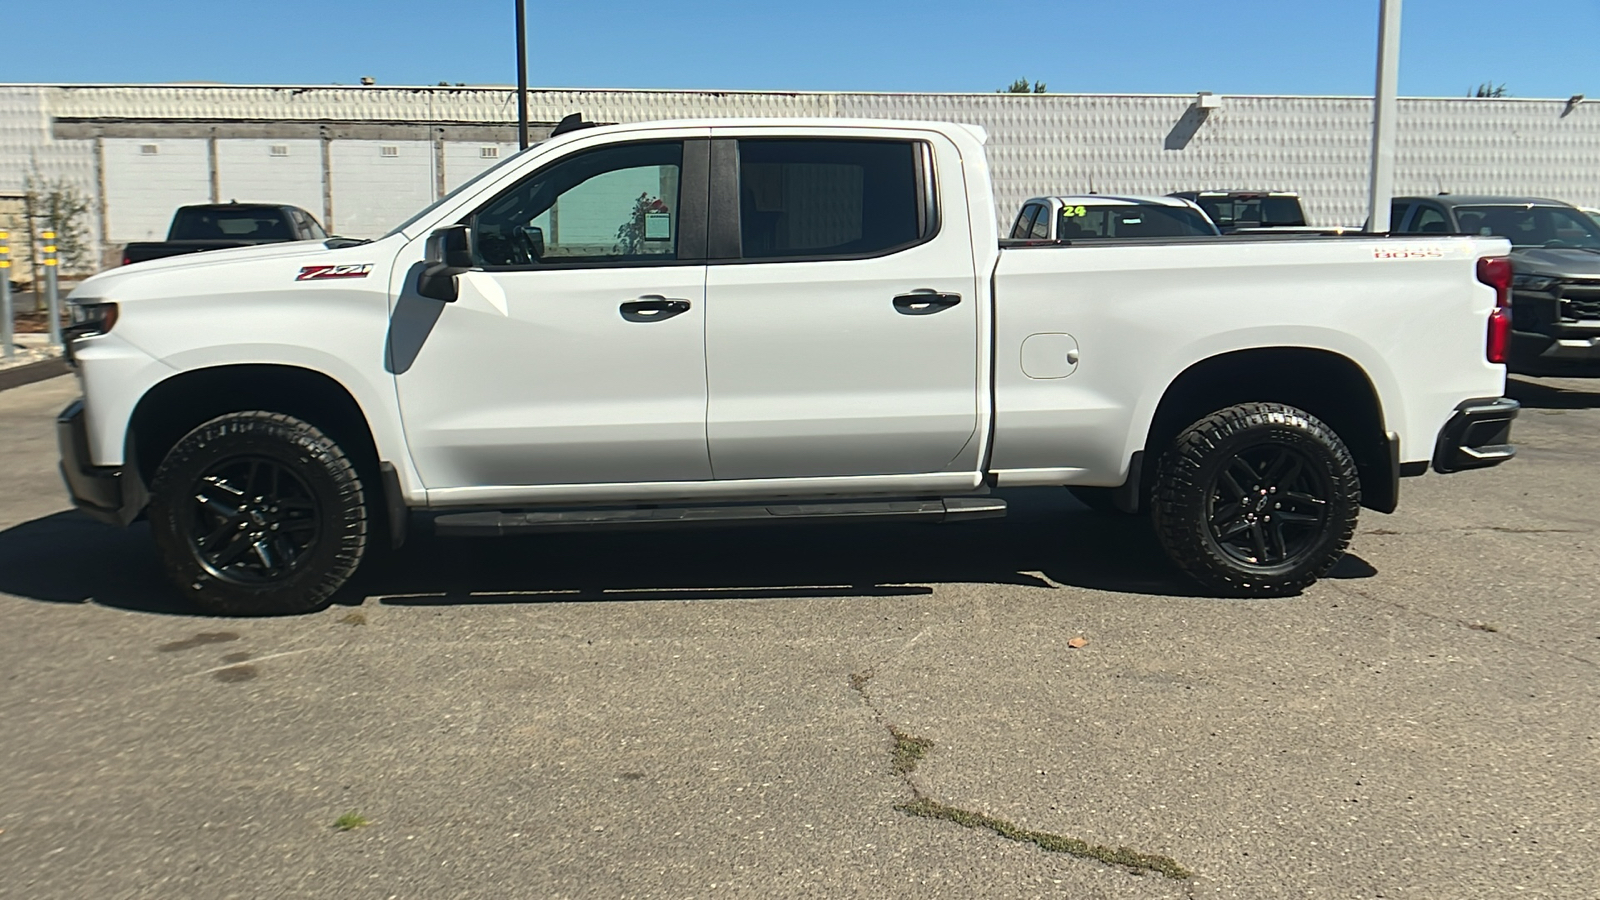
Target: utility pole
(1384,109)
(522,75)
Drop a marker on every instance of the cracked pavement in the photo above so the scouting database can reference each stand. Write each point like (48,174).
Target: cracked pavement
(673,715)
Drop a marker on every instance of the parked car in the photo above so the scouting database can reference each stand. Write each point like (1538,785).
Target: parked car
(748,321)
(1555,250)
(1099,216)
(1236,210)
(218,226)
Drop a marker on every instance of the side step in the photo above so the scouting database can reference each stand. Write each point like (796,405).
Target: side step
(499,522)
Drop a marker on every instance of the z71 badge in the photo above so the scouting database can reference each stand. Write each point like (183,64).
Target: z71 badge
(317,273)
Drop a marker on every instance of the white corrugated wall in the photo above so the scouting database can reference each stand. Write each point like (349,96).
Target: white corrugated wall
(1039,143)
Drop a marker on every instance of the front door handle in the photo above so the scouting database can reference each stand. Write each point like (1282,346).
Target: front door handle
(924,303)
(652,308)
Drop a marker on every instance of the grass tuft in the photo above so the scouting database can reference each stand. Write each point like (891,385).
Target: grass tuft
(350,821)
(1044,840)
(908,751)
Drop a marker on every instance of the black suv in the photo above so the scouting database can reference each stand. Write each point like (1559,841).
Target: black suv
(1555,253)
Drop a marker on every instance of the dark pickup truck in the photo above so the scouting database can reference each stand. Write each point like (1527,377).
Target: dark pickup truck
(217,226)
(1555,255)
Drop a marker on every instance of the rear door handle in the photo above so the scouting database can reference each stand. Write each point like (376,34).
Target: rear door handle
(924,303)
(652,308)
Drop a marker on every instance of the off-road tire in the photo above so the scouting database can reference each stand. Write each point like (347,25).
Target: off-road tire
(1195,501)
(317,500)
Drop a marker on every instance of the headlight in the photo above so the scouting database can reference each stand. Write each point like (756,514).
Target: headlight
(91,318)
(1531,282)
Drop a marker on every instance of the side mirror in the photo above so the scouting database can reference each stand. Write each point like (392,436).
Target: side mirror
(449,253)
(535,236)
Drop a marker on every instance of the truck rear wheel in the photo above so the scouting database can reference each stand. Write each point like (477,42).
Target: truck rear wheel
(258,513)
(1259,499)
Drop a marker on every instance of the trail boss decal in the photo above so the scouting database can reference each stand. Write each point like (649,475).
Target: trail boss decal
(317,273)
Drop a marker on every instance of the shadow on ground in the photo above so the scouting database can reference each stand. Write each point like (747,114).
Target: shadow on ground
(1542,395)
(66,558)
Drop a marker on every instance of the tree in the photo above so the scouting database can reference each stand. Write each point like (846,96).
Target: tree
(1020,86)
(1490,91)
(55,204)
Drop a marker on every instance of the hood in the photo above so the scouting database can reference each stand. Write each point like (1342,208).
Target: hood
(111,282)
(1557,263)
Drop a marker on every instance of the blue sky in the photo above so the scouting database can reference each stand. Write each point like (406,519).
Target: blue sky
(1541,48)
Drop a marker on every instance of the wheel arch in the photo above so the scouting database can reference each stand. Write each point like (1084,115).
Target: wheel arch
(1324,383)
(177,405)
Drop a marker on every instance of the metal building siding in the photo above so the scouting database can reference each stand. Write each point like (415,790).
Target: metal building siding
(372,193)
(1039,143)
(143,190)
(248,171)
(464,159)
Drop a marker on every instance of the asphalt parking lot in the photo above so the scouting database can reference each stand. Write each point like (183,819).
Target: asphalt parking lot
(715,713)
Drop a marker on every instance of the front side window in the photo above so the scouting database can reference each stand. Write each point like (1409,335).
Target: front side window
(840,198)
(610,205)
(1532,226)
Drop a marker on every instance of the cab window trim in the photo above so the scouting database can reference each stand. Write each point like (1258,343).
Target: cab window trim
(692,193)
(724,234)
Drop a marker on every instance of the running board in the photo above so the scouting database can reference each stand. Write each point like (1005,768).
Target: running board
(496,523)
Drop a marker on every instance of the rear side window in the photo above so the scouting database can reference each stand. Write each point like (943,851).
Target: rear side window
(1024,227)
(829,198)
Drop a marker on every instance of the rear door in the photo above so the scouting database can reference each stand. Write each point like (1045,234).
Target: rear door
(842,314)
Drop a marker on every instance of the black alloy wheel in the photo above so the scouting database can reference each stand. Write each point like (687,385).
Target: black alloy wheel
(1258,499)
(253,520)
(258,513)
(1268,505)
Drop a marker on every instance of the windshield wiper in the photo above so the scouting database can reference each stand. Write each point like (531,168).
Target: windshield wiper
(335,242)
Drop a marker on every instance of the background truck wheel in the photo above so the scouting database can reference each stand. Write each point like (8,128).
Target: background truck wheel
(1258,499)
(1099,499)
(256,514)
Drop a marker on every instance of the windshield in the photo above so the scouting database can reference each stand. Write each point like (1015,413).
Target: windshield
(235,223)
(463,187)
(1250,210)
(1078,222)
(1555,227)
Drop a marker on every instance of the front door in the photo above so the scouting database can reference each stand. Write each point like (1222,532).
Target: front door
(842,323)
(576,354)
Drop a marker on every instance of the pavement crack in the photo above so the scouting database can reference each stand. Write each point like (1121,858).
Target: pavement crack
(907,752)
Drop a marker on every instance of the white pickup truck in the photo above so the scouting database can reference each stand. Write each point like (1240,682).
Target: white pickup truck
(748,320)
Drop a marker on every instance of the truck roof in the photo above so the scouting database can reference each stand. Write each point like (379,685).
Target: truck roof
(1485,200)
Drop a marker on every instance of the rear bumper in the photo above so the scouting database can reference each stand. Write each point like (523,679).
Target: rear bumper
(1477,436)
(111,494)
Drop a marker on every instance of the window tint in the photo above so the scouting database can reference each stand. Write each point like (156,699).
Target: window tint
(313,230)
(1024,226)
(1129,221)
(827,197)
(1532,226)
(613,204)
(1429,220)
(1041,225)
(250,223)
(1398,210)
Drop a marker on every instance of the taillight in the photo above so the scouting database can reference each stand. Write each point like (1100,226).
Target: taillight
(127,260)
(1495,271)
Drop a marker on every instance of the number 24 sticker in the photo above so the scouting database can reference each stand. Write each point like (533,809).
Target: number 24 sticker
(1073,211)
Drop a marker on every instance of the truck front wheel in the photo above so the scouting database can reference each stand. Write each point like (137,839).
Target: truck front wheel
(1259,499)
(258,513)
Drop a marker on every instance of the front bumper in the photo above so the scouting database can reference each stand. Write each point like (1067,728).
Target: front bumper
(1477,436)
(111,494)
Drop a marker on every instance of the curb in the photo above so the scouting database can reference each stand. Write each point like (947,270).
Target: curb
(17,376)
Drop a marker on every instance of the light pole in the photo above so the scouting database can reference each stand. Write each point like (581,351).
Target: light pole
(1384,109)
(522,75)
